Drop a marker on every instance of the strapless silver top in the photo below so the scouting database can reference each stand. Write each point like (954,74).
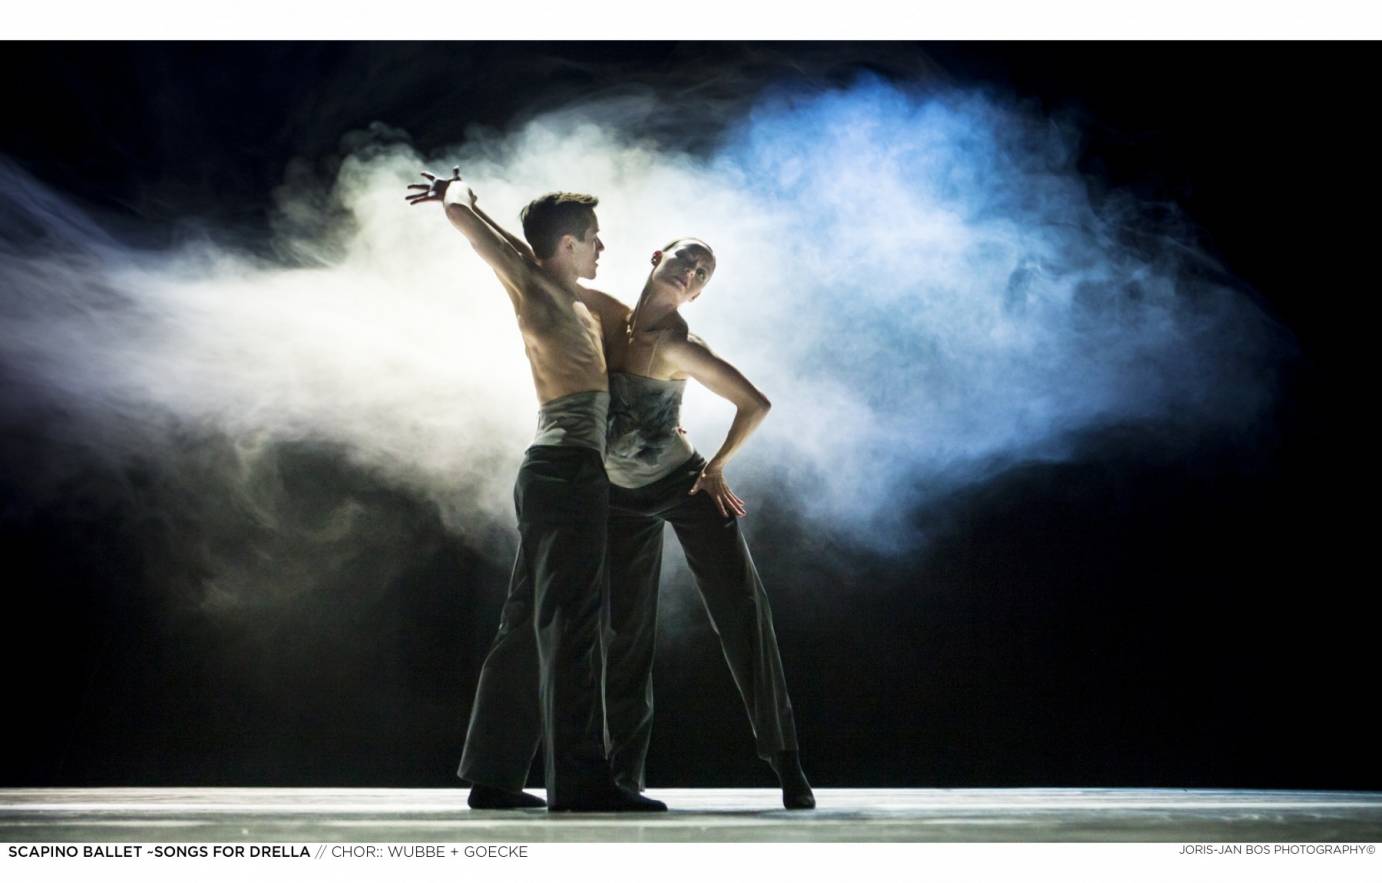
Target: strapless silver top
(646,441)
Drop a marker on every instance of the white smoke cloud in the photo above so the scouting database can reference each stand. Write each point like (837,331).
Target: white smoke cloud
(918,282)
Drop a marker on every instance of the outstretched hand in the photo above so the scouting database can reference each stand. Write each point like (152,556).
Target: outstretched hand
(712,482)
(435,188)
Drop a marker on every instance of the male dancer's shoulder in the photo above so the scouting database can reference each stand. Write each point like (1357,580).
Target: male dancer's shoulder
(610,309)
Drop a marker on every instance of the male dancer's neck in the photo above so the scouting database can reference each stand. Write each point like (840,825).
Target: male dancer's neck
(565,276)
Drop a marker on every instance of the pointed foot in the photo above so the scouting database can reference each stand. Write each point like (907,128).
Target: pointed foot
(796,791)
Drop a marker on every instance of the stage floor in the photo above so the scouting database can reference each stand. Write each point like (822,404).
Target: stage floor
(210,815)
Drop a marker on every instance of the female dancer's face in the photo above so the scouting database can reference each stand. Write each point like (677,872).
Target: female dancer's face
(684,268)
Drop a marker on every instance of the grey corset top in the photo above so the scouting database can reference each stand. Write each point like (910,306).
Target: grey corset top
(577,419)
(645,439)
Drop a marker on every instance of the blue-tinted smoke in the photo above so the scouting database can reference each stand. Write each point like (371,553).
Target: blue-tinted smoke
(936,297)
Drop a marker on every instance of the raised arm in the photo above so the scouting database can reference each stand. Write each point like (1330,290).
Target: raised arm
(692,357)
(519,245)
(514,266)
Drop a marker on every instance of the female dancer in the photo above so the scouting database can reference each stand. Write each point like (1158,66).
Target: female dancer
(656,476)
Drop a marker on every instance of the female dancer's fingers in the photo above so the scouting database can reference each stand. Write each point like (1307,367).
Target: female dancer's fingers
(428,175)
(419,186)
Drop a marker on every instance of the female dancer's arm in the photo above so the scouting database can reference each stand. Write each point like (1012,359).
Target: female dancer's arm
(692,357)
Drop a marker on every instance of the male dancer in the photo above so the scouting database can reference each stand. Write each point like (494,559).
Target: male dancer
(548,634)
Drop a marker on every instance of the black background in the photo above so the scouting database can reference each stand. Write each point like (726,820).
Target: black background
(1144,615)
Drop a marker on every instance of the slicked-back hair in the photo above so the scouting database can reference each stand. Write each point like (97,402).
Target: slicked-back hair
(553,215)
(680,239)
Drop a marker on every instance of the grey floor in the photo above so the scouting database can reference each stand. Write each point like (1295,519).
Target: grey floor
(421,815)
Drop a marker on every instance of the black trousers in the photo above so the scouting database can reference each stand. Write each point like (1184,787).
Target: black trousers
(731,592)
(540,681)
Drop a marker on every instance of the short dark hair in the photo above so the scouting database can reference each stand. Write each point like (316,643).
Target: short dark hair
(553,215)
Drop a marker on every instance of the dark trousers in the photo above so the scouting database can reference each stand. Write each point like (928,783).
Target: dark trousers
(540,681)
(733,597)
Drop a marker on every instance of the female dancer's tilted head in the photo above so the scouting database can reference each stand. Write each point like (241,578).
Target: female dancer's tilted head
(681,270)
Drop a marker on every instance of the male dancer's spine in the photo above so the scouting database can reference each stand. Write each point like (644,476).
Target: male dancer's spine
(549,631)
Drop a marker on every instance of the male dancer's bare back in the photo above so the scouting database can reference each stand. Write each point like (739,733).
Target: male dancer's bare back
(548,635)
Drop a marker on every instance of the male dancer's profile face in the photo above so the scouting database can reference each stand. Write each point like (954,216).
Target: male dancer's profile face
(684,269)
(586,252)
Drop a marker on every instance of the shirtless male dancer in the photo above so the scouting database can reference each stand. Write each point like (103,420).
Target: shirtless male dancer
(548,634)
